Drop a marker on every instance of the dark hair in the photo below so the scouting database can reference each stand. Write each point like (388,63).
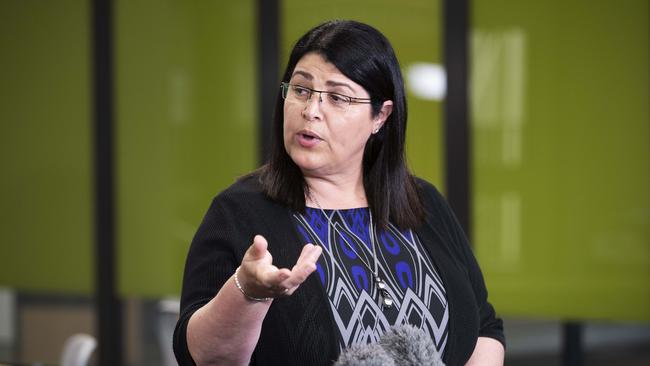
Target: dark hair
(366,57)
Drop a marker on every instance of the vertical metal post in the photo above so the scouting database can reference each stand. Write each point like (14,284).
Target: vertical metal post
(456,109)
(108,307)
(572,352)
(268,67)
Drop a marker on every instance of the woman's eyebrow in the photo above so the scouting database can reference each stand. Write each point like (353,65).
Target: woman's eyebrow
(338,83)
(304,74)
(330,83)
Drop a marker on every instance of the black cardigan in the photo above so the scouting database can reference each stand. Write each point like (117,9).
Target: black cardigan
(299,330)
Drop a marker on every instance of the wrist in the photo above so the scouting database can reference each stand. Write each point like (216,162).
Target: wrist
(239,286)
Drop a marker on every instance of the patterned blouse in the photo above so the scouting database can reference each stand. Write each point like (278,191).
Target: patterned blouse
(417,290)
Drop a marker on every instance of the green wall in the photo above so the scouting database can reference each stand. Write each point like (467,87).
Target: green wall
(46,236)
(186,127)
(561,136)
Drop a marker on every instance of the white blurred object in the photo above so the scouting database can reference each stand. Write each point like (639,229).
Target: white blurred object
(78,349)
(427,81)
(169,310)
(7,316)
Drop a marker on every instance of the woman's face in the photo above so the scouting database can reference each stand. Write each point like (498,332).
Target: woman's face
(322,140)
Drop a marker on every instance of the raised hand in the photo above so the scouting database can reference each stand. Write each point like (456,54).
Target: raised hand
(259,278)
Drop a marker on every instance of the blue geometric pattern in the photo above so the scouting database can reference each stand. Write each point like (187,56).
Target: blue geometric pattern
(404,265)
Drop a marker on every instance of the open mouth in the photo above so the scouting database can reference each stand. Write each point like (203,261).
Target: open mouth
(308,137)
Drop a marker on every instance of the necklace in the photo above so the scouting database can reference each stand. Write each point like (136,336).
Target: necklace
(386,299)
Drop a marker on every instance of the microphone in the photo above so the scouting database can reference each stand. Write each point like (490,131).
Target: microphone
(403,345)
(365,355)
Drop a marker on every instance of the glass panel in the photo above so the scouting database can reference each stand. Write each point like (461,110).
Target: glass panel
(186,128)
(45,147)
(561,136)
(46,190)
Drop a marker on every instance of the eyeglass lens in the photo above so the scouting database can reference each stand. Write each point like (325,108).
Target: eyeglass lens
(300,94)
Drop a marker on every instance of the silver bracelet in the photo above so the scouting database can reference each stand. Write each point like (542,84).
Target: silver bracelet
(245,294)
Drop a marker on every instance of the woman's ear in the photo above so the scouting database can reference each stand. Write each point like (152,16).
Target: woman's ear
(382,116)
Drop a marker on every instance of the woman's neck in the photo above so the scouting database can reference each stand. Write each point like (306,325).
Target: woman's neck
(335,192)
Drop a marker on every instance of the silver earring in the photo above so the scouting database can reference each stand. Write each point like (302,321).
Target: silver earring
(375,131)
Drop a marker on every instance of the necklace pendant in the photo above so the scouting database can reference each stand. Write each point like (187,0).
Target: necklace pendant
(386,300)
(380,284)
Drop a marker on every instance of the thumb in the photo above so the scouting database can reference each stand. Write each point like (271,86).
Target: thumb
(258,249)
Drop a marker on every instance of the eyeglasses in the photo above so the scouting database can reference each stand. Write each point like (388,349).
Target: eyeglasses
(333,101)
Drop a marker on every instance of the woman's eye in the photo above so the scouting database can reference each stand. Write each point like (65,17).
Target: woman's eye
(299,91)
(338,99)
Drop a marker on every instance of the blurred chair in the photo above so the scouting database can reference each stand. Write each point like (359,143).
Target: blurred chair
(77,350)
(168,311)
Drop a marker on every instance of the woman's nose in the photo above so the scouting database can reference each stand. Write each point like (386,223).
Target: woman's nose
(313,106)
(320,96)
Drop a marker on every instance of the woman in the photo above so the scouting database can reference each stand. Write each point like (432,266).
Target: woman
(337,199)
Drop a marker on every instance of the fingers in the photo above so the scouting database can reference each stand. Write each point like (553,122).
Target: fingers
(258,249)
(275,276)
(262,279)
(305,266)
(313,254)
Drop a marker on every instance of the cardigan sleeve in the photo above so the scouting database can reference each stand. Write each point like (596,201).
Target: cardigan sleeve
(211,261)
(490,325)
